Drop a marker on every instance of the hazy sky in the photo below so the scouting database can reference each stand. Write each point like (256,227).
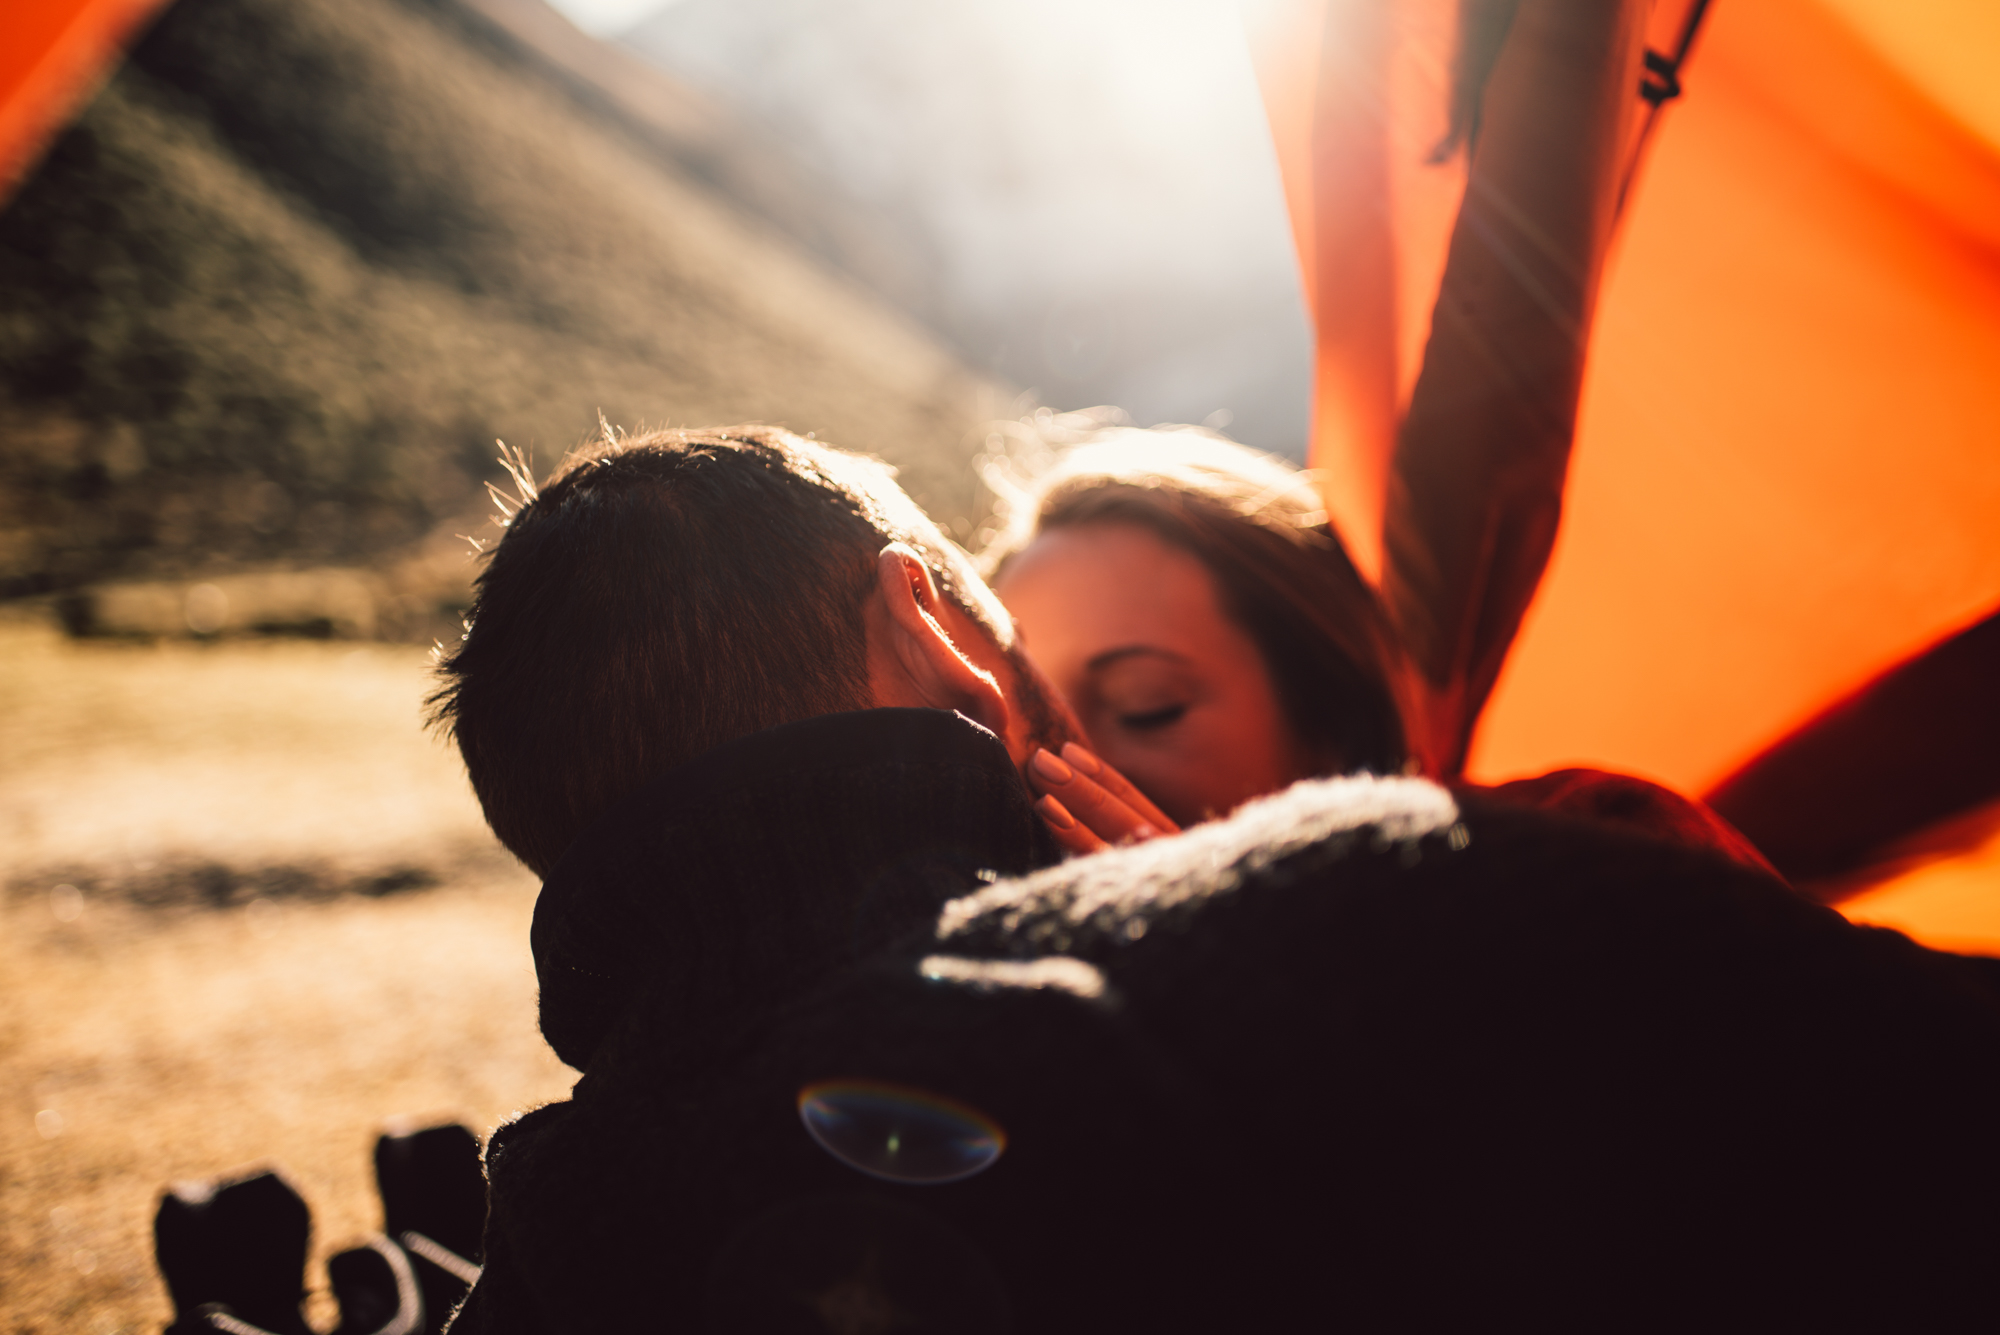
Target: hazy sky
(1079,195)
(1083,193)
(604,18)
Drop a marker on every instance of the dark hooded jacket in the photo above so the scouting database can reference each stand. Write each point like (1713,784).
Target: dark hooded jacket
(1364,1056)
(671,934)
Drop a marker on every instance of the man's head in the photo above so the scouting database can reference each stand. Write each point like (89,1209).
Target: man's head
(665,593)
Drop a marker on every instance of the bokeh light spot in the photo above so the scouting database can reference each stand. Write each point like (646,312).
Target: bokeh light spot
(66,903)
(898,1133)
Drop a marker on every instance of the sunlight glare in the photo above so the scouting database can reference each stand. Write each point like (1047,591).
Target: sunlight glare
(608,18)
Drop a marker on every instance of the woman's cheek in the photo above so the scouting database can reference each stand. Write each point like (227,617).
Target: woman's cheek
(1158,767)
(1234,755)
(1188,769)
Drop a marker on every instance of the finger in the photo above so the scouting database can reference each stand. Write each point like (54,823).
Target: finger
(1120,787)
(1070,832)
(1085,799)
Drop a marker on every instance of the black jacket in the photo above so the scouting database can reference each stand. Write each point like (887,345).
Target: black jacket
(1364,1056)
(674,930)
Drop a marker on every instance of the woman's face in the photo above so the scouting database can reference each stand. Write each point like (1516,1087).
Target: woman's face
(1170,690)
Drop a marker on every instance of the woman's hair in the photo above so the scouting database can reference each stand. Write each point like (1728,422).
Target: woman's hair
(1258,525)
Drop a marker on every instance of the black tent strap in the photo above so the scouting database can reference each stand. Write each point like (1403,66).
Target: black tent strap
(1662,81)
(1659,85)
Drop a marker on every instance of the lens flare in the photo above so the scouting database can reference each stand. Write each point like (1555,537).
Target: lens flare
(897,1133)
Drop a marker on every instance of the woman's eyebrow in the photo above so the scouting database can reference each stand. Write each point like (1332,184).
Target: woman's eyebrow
(1104,660)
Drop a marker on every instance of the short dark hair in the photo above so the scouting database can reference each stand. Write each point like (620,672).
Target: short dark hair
(1258,526)
(659,595)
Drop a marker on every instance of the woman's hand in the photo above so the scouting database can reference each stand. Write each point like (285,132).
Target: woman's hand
(1088,805)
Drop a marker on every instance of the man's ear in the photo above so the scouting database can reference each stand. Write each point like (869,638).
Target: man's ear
(912,659)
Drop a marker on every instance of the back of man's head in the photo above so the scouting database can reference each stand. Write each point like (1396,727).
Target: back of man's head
(660,595)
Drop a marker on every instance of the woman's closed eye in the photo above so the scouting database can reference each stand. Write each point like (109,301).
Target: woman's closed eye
(1158,717)
(1142,689)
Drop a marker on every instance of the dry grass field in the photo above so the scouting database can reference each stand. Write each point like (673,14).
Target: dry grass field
(250,912)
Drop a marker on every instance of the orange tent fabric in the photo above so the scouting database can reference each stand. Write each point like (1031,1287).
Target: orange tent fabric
(53,54)
(1787,476)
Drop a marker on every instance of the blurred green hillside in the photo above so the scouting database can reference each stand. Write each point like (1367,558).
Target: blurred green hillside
(271,298)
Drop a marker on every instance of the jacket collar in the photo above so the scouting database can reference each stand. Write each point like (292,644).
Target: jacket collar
(734,882)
